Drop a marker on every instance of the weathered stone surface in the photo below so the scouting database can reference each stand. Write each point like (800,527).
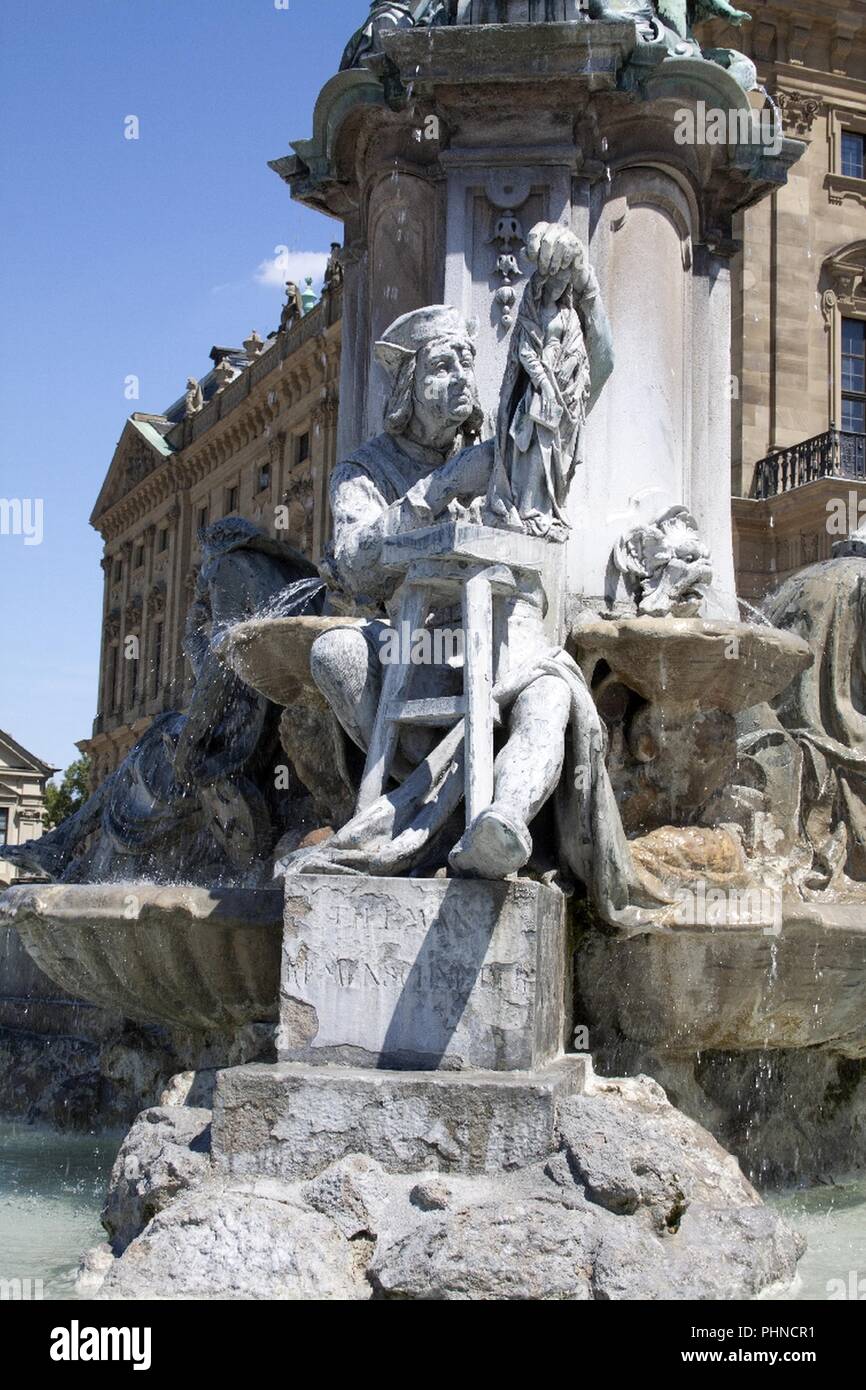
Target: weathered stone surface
(639,1203)
(631,1201)
(353,1192)
(166,1152)
(92,1269)
(791,1116)
(193,1088)
(423,973)
(222,1244)
(191,957)
(792,979)
(291,1120)
(520,1250)
(636,1155)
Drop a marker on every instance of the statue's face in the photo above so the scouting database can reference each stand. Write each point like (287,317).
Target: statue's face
(446,391)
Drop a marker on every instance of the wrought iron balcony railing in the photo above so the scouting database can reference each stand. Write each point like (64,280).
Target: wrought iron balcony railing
(836,454)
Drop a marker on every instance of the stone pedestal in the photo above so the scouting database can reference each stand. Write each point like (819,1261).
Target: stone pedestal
(422,1022)
(424,974)
(290,1121)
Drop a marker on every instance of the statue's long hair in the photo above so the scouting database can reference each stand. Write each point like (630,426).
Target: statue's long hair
(400,404)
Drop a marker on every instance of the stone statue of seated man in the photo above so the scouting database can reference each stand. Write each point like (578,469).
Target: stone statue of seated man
(428,466)
(418,471)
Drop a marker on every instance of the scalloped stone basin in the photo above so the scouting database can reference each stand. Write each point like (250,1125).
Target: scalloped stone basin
(694,661)
(733,988)
(272,655)
(196,958)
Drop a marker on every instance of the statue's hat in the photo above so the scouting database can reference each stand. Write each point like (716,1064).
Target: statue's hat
(411,331)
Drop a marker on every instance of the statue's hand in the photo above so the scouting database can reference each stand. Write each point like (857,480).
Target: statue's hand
(555,248)
(467,475)
(727,11)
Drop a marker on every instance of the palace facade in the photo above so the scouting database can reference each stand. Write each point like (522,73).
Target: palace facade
(260,443)
(799,298)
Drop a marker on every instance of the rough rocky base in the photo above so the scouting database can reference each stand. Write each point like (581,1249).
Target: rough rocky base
(634,1201)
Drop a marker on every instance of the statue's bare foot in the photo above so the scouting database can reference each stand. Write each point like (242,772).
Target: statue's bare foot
(496,844)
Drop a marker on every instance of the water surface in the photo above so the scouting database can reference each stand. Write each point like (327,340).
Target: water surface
(833,1220)
(52,1186)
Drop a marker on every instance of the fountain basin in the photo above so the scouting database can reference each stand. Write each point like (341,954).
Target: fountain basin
(194,958)
(733,988)
(272,655)
(693,661)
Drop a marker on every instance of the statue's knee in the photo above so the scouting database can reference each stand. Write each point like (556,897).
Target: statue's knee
(338,660)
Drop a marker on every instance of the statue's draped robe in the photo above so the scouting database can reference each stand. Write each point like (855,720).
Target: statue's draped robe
(537,454)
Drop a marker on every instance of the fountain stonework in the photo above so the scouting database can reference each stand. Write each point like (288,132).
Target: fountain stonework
(531,737)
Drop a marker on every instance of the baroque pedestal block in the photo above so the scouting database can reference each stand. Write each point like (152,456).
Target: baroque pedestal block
(423,974)
(290,1121)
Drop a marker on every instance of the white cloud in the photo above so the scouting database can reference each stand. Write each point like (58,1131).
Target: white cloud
(291,265)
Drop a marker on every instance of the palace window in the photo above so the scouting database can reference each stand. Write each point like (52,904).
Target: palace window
(232,499)
(162,542)
(202,518)
(303,448)
(265,475)
(853,152)
(854,375)
(139,555)
(118,571)
(4,825)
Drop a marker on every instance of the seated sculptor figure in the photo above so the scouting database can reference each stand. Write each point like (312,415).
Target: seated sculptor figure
(425,467)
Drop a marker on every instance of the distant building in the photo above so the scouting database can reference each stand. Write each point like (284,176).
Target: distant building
(22,800)
(256,437)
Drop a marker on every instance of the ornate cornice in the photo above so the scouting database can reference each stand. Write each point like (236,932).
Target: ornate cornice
(841,188)
(799,110)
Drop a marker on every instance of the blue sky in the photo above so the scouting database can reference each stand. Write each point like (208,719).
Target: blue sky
(128,257)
